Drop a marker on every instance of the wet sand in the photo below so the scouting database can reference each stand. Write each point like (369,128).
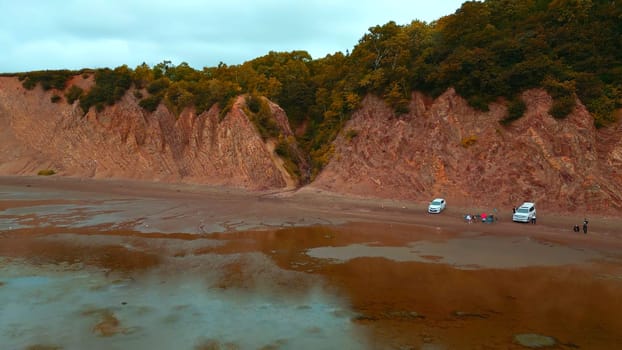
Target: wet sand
(121,264)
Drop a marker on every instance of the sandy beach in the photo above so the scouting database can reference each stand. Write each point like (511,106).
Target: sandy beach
(107,264)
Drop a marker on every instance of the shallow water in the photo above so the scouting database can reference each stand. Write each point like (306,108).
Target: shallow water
(467,252)
(85,271)
(71,308)
(144,215)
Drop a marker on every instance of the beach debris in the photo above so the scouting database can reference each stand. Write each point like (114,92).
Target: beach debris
(463,314)
(406,315)
(534,341)
(363,318)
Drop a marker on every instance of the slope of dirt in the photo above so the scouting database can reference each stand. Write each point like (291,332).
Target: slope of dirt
(445,148)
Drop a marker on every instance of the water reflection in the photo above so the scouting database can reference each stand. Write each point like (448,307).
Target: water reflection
(89,309)
(185,274)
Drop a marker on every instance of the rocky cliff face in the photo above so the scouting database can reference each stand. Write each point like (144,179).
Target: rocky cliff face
(445,148)
(124,141)
(441,148)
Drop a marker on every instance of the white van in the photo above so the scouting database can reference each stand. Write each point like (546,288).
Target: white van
(525,212)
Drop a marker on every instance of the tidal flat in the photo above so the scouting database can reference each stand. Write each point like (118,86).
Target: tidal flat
(126,265)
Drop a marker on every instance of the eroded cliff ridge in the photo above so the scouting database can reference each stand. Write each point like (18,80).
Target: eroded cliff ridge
(442,147)
(124,141)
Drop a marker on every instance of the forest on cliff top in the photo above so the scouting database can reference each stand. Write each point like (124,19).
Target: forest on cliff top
(487,50)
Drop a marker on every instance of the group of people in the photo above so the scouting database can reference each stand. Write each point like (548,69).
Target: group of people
(471,218)
(489,218)
(577,229)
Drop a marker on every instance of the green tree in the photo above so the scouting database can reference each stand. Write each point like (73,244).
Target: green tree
(110,86)
(143,75)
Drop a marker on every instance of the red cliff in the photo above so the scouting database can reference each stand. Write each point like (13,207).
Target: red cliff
(445,148)
(441,148)
(124,141)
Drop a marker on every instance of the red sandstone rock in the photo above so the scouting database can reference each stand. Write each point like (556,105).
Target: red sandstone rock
(441,148)
(124,141)
(562,165)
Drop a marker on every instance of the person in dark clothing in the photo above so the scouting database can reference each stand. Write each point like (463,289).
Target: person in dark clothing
(585,226)
(576,228)
(533,220)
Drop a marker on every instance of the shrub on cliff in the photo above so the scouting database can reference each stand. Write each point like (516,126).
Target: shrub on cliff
(516,109)
(46,172)
(285,149)
(262,118)
(158,86)
(49,79)
(156,89)
(110,86)
(74,93)
(253,102)
(150,103)
(351,134)
(563,96)
(468,141)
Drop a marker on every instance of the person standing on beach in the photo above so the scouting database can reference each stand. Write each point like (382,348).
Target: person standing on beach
(585,226)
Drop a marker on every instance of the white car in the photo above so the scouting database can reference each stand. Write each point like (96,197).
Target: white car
(525,212)
(436,206)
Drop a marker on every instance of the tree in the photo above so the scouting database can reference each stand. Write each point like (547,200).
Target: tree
(143,75)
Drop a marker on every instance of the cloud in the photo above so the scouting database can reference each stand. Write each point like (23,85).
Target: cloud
(41,34)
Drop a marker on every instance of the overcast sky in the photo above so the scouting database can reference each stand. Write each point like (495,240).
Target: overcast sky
(74,34)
